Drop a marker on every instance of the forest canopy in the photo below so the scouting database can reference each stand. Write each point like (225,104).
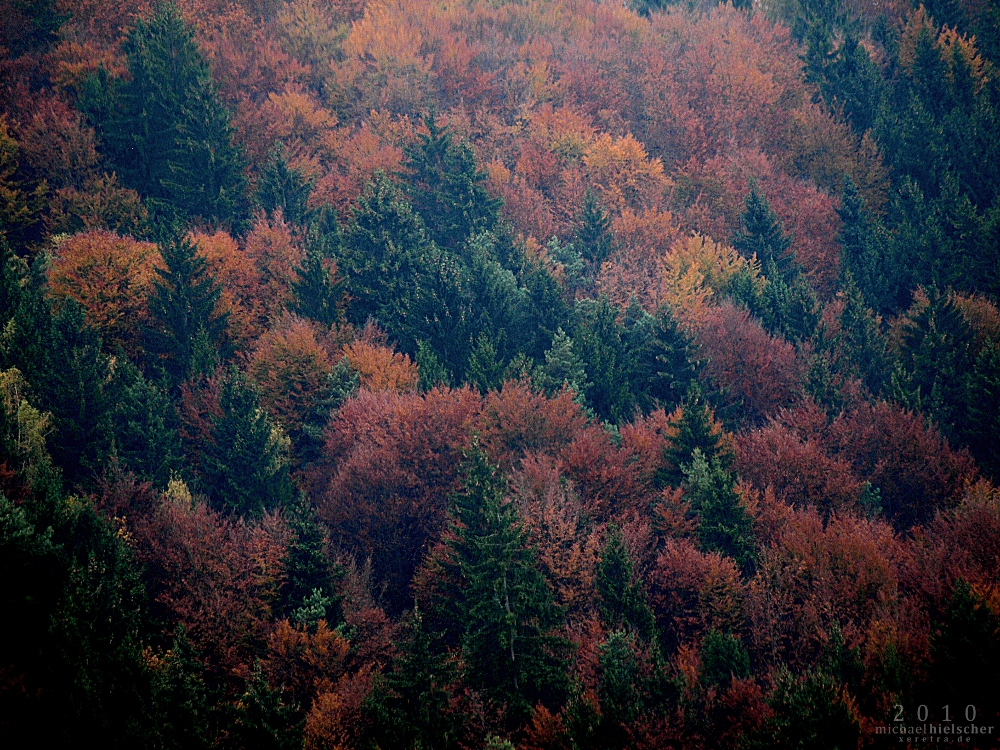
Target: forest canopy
(543,375)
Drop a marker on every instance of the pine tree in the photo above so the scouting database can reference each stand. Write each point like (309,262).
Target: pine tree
(491,599)
(599,339)
(245,465)
(282,186)
(164,129)
(863,247)
(761,234)
(723,658)
(447,188)
(861,341)
(182,306)
(724,525)
(696,430)
(411,706)
(623,602)
(982,430)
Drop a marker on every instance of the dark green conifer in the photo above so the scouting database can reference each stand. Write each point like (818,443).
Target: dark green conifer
(697,430)
(723,659)
(447,189)
(761,234)
(623,602)
(724,525)
(491,599)
(320,290)
(183,308)
(282,186)
(244,464)
(306,562)
(165,130)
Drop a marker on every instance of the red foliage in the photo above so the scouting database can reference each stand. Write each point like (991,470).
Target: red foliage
(391,462)
(692,592)
(517,420)
(908,460)
(756,369)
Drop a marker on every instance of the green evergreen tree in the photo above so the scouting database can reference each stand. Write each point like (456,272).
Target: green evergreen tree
(182,701)
(696,430)
(492,601)
(982,429)
(723,659)
(937,360)
(143,425)
(861,342)
(182,307)
(282,186)
(306,563)
(761,234)
(164,129)
(244,464)
(673,351)
(593,237)
(484,370)
(447,189)
(863,248)
(599,339)
(320,291)
(723,523)
(623,601)
(563,367)
(263,720)
(410,707)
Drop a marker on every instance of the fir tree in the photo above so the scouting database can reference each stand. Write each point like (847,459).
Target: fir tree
(672,351)
(484,370)
(599,339)
(697,430)
(761,234)
(447,188)
(244,464)
(282,186)
(493,602)
(143,423)
(411,705)
(724,525)
(563,368)
(166,132)
(723,658)
(593,237)
(182,307)
(320,291)
(622,598)
(862,247)
(860,340)
(307,567)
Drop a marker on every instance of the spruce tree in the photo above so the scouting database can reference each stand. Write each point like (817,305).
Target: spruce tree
(447,189)
(697,430)
(860,340)
(307,567)
(563,367)
(674,370)
(982,429)
(143,425)
(491,599)
(599,339)
(723,658)
(282,186)
(164,129)
(593,237)
(182,307)
(623,602)
(320,290)
(761,234)
(244,464)
(863,247)
(724,525)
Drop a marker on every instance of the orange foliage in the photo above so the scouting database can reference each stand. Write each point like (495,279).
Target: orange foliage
(305,663)
(290,367)
(111,277)
(276,254)
(241,284)
(382,369)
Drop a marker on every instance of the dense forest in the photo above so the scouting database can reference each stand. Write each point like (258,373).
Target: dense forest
(535,374)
